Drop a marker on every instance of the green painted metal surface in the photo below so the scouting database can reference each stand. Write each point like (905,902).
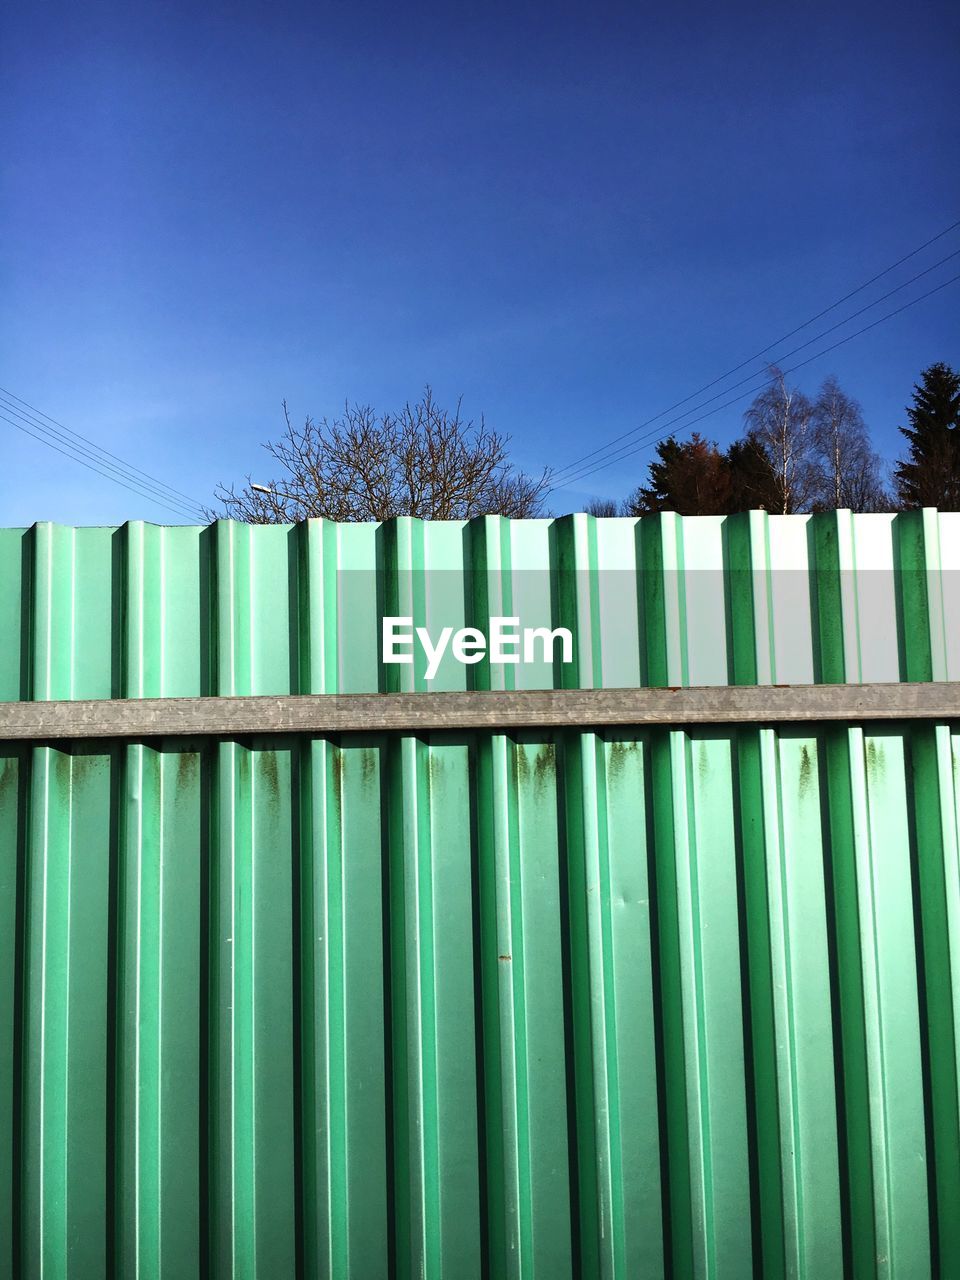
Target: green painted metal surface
(148,611)
(623,1004)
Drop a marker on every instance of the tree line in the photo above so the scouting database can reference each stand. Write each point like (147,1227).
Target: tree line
(800,454)
(796,454)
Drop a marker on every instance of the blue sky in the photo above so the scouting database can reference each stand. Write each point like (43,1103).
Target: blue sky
(572,217)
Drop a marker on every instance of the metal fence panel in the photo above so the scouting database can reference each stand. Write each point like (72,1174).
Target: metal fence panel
(148,611)
(632,1002)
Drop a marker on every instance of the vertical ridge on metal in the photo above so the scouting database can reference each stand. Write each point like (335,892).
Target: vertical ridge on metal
(546,1003)
(152,611)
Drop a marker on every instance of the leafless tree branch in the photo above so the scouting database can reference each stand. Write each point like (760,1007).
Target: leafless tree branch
(422,461)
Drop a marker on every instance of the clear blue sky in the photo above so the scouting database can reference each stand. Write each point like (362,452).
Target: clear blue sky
(572,217)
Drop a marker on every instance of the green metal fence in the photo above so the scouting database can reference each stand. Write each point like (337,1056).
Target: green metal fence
(145,610)
(626,1002)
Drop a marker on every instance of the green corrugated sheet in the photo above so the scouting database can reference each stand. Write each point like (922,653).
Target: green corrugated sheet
(145,610)
(623,1004)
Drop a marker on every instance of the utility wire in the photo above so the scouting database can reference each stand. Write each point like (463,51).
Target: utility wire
(99,448)
(765,350)
(124,473)
(90,467)
(628,450)
(77,451)
(569,473)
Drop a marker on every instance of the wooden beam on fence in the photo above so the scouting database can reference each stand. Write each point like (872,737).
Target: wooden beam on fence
(422,712)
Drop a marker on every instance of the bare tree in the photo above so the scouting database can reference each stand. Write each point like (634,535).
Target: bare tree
(851,472)
(780,421)
(422,461)
(603,507)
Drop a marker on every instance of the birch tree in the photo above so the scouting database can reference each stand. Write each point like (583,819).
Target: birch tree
(851,470)
(780,420)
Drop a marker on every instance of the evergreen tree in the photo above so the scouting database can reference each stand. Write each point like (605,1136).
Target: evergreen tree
(930,474)
(689,477)
(693,478)
(754,483)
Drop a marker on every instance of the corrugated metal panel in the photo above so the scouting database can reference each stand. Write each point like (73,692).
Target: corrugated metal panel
(568,1004)
(146,611)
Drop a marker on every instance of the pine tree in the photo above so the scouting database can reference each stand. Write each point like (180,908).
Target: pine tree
(754,483)
(693,478)
(689,477)
(930,475)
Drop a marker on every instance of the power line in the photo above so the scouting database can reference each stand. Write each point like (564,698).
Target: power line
(628,451)
(90,467)
(77,452)
(99,448)
(765,350)
(123,472)
(565,476)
